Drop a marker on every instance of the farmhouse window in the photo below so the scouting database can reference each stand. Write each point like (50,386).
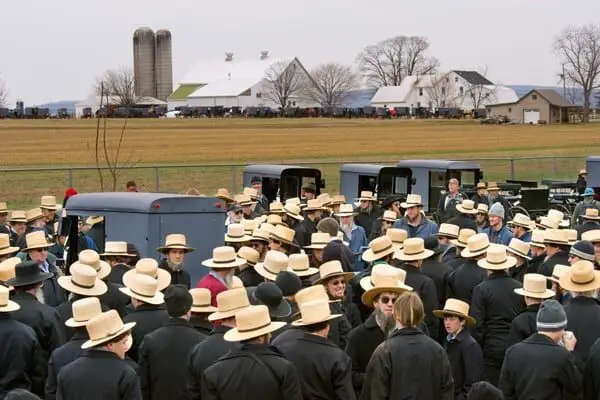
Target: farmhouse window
(258,95)
(456,79)
(420,91)
(461,90)
(534,97)
(443,91)
(509,109)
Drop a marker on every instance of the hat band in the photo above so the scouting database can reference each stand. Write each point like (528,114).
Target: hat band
(236,236)
(201,305)
(300,270)
(268,270)
(141,294)
(413,253)
(277,237)
(4,248)
(585,282)
(254,328)
(478,250)
(519,252)
(176,244)
(223,261)
(81,285)
(496,262)
(384,249)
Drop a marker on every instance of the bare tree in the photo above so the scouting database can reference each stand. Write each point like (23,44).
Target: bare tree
(443,91)
(478,92)
(3,92)
(331,83)
(388,62)
(579,50)
(283,81)
(117,84)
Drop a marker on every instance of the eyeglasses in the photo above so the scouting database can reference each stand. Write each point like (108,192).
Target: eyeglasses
(239,212)
(387,299)
(338,282)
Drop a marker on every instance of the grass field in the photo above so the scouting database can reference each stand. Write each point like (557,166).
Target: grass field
(56,143)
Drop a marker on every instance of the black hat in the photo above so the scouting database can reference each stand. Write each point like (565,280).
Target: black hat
(255,179)
(432,243)
(310,189)
(269,294)
(178,300)
(288,282)
(28,273)
(584,250)
(132,249)
(391,199)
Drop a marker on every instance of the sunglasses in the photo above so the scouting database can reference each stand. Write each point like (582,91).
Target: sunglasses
(255,245)
(338,282)
(387,299)
(239,212)
(277,242)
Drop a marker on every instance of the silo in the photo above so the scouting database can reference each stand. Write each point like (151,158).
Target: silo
(144,62)
(164,64)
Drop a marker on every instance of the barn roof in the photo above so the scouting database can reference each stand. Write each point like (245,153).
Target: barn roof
(473,77)
(225,88)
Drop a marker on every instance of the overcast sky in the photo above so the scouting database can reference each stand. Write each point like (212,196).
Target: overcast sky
(53,50)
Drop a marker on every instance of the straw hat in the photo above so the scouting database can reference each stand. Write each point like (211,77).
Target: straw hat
(175,241)
(5,247)
(384,278)
(318,241)
(414,250)
(83,281)
(332,269)
(3,207)
(314,205)
(581,277)
(338,199)
(379,248)
(521,220)
(590,213)
(571,236)
(149,267)
(482,208)
(253,193)
(559,217)
(293,201)
(143,288)
(412,200)
(480,185)
(313,293)
(582,172)
(224,194)
(7,268)
(366,195)
(91,258)
(274,263)
(591,236)
(250,255)
(547,223)
(48,203)
(456,308)
(492,187)
(314,312)
(116,249)
(293,211)
(252,322)
(534,286)
(325,199)
(267,228)
(558,272)
(236,234)
(537,238)
(36,240)
(276,208)
(18,216)
(201,301)
(300,265)
(519,248)
(477,245)
(249,226)
(275,219)
(284,234)
(463,238)
(243,200)
(497,259)
(34,214)
(260,235)
(467,207)
(346,210)
(259,220)
(83,311)
(105,327)
(7,305)
(224,257)
(229,303)
(556,236)
(398,236)
(389,216)
(449,230)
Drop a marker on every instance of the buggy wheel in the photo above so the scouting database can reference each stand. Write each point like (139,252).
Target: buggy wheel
(435,218)
(559,207)
(518,209)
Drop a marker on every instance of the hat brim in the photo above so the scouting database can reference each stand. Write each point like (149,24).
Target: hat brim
(410,205)
(524,226)
(104,270)
(370,256)
(400,255)
(537,244)
(117,255)
(243,239)
(18,220)
(508,263)
(307,209)
(546,294)
(387,219)
(234,335)
(10,307)
(352,214)
(299,322)
(165,249)
(262,271)
(219,315)
(346,275)
(40,246)
(550,241)
(71,323)
(463,210)
(163,278)
(443,313)
(457,243)
(466,253)
(517,253)
(319,246)
(280,239)
(259,239)
(204,309)
(225,198)
(238,262)
(282,310)
(368,297)
(9,250)
(566,283)
(156,300)
(591,217)
(51,208)
(93,343)
(305,272)
(451,236)
(18,281)
(98,289)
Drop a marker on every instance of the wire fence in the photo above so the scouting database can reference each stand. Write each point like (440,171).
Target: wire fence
(22,187)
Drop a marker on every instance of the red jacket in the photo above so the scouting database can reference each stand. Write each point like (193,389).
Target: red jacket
(214,285)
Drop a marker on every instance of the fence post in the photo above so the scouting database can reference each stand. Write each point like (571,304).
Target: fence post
(234,179)
(70,178)
(554,167)
(512,168)
(156,180)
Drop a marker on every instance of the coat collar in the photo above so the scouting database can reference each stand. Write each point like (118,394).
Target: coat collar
(219,329)
(371,322)
(23,296)
(406,332)
(532,308)
(308,337)
(178,322)
(460,337)
(149,307)
(497,275)
(538,338)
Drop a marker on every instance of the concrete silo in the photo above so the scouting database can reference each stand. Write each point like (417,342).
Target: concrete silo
(164,64)
(144,62)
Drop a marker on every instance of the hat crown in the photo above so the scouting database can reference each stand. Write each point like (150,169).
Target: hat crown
(571,234)
(381,244)
(104,325)
(249,225)
(37,238)
(449,230)
(538,235)
(456,306)
(242,199)
(522,219)
(338,199)
(248,191)
(314,203)
(330,268)
(496,254)
(346,209)
(389,214)
(519,246)
(232,299)
(414,246)
(260,233)
(7,268)
(484,208)
(34,213)
(556,236)
(293,201)
(4,296)
(477,242)
(284,233)
(582,272)
(18,215)
(534,283)
(175,239)
(147,266)
(200,297)
(26,269)
(384,275)
(591,212)
(319,238)
(248,254)
(48,201)
(235,231)
(299,262)
(252,318)
(312,293)
(3,205)
(366,194)
(468,204)
(313,312)
(223,192)
(556,215)
(398,236)
(292,209)
(276,206)
(413,199)
(324,198)
(115,247)
(91,258)
(560,270)
(549,223)
(276,261)
(224,254)
(83,275)
(4,241)
(143,285)
(492,185)
(86,309)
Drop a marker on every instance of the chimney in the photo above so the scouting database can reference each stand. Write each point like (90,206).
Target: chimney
(264,55)
(228,57)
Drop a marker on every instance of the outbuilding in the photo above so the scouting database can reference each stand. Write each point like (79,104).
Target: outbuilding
(537,106)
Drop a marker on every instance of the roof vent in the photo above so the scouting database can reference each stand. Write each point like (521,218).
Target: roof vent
(228,57)
(264,55)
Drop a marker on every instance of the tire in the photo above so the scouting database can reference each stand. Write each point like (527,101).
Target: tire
(518,209)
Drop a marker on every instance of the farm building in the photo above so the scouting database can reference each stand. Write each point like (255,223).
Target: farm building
(537,105)
(93,104)
(232,83)
(465,90)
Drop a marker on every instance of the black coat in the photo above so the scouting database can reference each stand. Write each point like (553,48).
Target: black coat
(366,220)
(325,371)
(446,210)
(466,361)
(337,250)
(177,277)
(339,327)
(117,272)
(259,370)
(304,231)
(518,273)
(562,257)
(539,369)
(586,227)
(351,312)
(535,263)
(592,373)
(494,306)
(163,355)
(583,315)
(250,278)
(464,279)
(523,325)
(98,375)
(22,364)
(64,355)
(425,288)
(148,318)
(440,275)
(201,324)
(53,293)
(453,260)
(65,311)
(396,369)
(203,355)
(114,299)
(463,222)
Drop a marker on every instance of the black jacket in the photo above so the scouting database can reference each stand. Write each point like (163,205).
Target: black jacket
(351,312)
(304,231)
(466,361)
(523,325)
(53,293)
(583,315)
(114,299)
(518,273)
(98,375)
(65,311)
(535,263)
(592,373)
(250,278)
(446,210)
(463,222)
(148,318)
(117,272)
(177,277)
(324,370)
(439,273)
(62,356)
(339,327)
(22,363)
(539,369)
(259,369)
(163,355)
(201,324)
(425,288)
(586,227)
(366,220)
(464,279)
(494,306)
(395,370)
(562,257)
(337,250)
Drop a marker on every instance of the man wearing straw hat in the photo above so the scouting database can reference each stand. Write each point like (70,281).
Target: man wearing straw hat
(312,216)
(481,218)
(356,235)
(119,259)
(556,247)
(590,222)
(174,250)
(464,279)
(521,227)
(520,251)
(222,270)
(22,363)
(367,212)
(201,309)
(466,214)
(109,339)
(588,202)
(48,206)
(18,226)
(6,250)
(414,221)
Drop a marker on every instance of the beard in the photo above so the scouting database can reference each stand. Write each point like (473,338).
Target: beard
(346,228)
(229,277)
(386,323)
(175,266)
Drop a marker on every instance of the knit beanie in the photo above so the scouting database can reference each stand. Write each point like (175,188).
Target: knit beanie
(584,250)
(289,283)
(178,300)
(329,226)
(484,391)
(496,210)
(551,317)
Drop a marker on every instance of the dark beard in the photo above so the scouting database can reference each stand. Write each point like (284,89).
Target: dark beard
(386,323)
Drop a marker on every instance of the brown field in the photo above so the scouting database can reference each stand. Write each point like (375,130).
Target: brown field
(325,143)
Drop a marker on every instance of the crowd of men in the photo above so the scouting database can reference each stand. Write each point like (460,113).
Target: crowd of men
(313,298)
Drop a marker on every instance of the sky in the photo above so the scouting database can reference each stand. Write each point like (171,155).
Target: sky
(54,50)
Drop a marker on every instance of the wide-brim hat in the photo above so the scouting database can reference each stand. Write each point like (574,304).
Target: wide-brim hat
(299,264)
(252,322)
(109,318)
(284,235)
(461,207)
(156,299)
(28,273)
(314,205)
(556,236)
(520,220)
(274,263)
(479,245)
(413,250)
(314,312)
(175,241)
(201,298)
(513,249)
(281,310)
(591,214)
(224,257)
(97,289)
(18,216)
(4,251)
(224,194)
(534,286)
(582,277)
(384,278)
(116,249)
(456,308)
(412,200)
(36,240)
(10,306)
(162,276)
(379,248)
(332,269)
(497,259)
(293,211)
(365,195)
(93,220)
(346,210)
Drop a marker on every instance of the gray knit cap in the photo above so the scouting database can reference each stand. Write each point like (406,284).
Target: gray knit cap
(584,250)
(551,317)
(496,210)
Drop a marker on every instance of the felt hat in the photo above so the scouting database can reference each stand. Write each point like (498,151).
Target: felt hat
(467,207)
(253,193)
(7,268)
(300,265)
(318,240)
(48,203)
(534,286)
(556,236)
(83,281)
(149,267)
(412,200)
(477,245)
(379,248)
(34,214)
(591,236)
(493,187)
(383,278)
(521,220)
(414,250)
(366,195)
(7,305)
(582,277)
(457,308)
(332,269)
(249,254)
(338,199)
(591,214)
(398,236)
(36,240)
(143,288)
(28,273)
(537,238)
(224,257)
(175,241)
(289,283)
(236,234)
(518,248)
(114,249)
(449,230)
(325,199)
(270,295)
(558,272)
(224,194)
(3,207)
(276,208)
(105,327)
(389,216)
(463,238)
(252,322)
(314,312)
(18,216)
(244,200)
(229,303)
(83,311)
(201,298)
(314,205)
(5,247)
(496,259)
(482,208)
(92,258)
(274,263)
(346,210)
(293,211)
(284,234)
(260,235)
